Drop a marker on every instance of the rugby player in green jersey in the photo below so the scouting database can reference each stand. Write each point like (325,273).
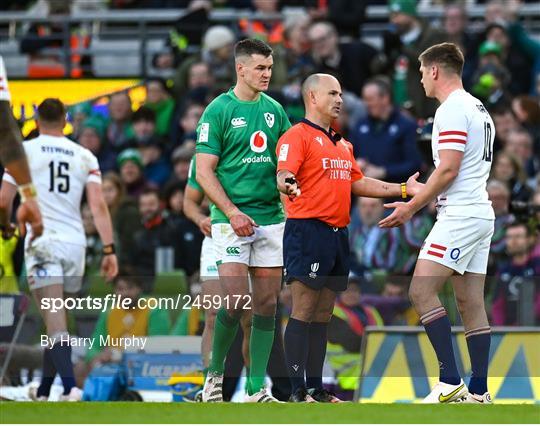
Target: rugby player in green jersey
(236,166)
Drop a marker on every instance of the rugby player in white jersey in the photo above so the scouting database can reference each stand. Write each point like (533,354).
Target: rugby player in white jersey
(458,245)
(12,157)
(55,261)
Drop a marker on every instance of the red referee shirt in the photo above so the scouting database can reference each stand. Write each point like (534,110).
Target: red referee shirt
(325,167)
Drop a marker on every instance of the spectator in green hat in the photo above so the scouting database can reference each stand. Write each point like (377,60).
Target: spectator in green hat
(407,7)
(92,138)
(130,164)
(517,61)
(490,47)
(490,82)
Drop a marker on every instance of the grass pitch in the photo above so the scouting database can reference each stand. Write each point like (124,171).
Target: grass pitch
(134,412)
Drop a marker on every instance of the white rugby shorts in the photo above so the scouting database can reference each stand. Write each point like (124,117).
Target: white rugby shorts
(208,268)
(459,243)
(262,249)
(50,262)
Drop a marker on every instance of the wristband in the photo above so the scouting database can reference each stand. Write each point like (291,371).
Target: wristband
(27,191)
(403,190)
(108,249)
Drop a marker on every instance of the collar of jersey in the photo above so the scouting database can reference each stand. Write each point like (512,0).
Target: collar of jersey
(233,95)
(456,92)
(332,134)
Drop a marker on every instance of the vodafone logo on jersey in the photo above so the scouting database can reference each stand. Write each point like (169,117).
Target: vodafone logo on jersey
(258,141)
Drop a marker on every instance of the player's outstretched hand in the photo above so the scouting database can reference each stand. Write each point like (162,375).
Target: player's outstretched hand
(205,226)
(242,224)
(109,266)
(399,216)
(413,186)
(29,212)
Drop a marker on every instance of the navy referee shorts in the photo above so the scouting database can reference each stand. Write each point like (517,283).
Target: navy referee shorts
(316,254)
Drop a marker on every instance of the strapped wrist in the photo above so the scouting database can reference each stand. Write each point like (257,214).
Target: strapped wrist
(27,191)
(108,249)
(403,190)
(231,212)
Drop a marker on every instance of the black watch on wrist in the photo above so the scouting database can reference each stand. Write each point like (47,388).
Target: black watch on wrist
(108,249)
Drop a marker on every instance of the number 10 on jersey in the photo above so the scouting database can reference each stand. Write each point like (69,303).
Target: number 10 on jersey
(488,146)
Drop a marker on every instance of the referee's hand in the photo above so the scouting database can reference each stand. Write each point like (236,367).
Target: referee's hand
(291,187)
(242,224)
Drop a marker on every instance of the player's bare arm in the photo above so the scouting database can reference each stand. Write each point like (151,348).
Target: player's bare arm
(375,188)
(241,223)
(11,150)
(7,195)
(28,211)
(287,184)
(13,158)
(102,220)
(193,211)
(441,178)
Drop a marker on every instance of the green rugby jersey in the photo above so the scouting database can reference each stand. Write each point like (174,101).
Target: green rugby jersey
(244,135)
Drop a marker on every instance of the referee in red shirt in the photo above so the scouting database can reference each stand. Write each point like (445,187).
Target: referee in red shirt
(317,171)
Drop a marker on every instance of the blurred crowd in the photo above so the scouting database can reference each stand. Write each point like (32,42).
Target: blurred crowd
(145,151)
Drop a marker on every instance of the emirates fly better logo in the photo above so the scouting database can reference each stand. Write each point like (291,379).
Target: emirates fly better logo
(257,141)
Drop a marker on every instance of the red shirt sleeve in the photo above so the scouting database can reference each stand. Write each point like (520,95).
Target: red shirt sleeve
(356,173)
(290,151)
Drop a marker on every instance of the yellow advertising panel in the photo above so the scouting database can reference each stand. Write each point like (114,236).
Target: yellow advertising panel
(26,95)
(400,365)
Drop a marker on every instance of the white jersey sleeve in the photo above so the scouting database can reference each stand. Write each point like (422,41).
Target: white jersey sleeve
(94,174)
(8,178)
(452,125)
(4,90)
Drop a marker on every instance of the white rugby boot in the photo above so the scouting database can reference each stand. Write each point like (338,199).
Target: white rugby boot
(213,388)
(443,393)
(473,398)
(262,396)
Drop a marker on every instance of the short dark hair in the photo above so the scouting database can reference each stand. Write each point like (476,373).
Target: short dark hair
(382,84)
(251,46)
(144,114)
(520,224)
(159,80)
(51,110)
(171,187)
(448,55)
(150,190)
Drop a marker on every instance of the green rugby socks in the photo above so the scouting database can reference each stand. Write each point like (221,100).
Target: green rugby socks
(224,334)
(260,345)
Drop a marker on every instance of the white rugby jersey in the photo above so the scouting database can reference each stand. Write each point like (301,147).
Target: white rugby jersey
(4,90)
(60,171)
(463,123)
